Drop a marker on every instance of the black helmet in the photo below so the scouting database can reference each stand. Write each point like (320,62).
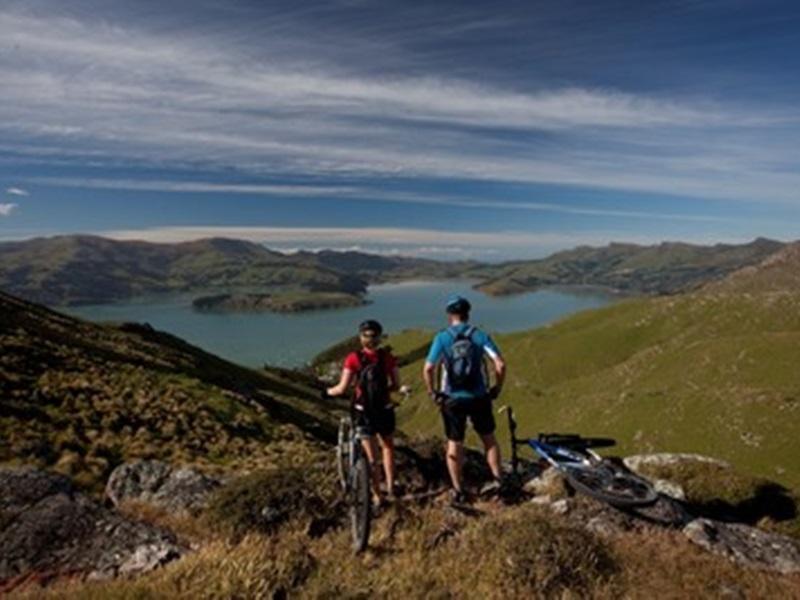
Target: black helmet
(371,325)
(458,305)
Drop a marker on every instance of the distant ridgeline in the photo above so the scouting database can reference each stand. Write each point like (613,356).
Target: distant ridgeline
(70,270)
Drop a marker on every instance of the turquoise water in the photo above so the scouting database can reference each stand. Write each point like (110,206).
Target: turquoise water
(292,340)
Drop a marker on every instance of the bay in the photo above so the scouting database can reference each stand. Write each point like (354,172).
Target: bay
(290,340)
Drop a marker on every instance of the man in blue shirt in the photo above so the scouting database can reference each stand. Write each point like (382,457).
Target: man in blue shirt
(460,350)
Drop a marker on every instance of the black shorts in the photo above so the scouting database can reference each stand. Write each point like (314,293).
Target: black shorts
(380,421)
(455,413)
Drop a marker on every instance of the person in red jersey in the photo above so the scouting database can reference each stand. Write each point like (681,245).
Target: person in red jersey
(373,373)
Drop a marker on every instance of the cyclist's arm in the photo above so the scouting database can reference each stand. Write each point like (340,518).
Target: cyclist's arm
(344,383)
(429,369)
(394,379)
(493,352)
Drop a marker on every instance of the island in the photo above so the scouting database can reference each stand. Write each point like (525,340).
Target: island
(282,302)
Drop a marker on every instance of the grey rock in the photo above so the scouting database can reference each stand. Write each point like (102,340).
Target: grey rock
(666,511)
(544,483)
(543,500)
(746,545)
(669,488)
(48,526)
(560,507)
(637,461)
(157,483)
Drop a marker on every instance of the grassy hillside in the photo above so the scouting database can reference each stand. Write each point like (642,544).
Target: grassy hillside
(779,273)
(711,372)
(86,269)
(82,398)
(378,269)
(665,268)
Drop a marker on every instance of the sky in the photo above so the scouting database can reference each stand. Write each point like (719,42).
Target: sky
(488,130)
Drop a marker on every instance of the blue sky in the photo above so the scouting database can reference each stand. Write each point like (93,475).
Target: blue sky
(489,130)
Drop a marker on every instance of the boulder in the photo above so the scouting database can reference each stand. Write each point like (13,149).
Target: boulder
(47,527)
(637,461)
(549,482)
(669,488)
(159,484)
(746,545)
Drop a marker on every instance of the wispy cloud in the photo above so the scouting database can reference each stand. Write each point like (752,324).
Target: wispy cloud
(399,240)
(197,187)
(367,194)
(15,191)
(6,209)
(77,86)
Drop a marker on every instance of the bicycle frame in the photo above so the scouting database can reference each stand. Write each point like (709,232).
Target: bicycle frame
(555,455)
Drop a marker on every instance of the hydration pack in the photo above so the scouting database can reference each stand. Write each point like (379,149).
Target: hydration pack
(373,383)
(464,363)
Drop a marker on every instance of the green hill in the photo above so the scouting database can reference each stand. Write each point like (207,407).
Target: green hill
(713,371)
(83,398)
(665,268)
(88,269)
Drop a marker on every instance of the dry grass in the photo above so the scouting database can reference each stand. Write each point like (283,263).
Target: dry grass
(433,552)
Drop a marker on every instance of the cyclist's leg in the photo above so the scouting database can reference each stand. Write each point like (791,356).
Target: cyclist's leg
(383,422)
(455,424)
(365,427)
(370,446)
(387,450)
(483,421)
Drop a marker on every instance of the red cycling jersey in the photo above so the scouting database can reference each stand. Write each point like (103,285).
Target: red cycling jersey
(353,363)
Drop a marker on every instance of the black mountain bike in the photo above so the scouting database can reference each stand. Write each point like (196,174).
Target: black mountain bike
(586,471)
(354,476)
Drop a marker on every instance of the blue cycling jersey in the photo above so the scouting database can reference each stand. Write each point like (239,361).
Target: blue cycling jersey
(445,339)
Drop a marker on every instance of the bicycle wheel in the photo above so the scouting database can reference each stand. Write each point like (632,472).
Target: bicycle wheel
(343,453)
(360,510)
(611,483)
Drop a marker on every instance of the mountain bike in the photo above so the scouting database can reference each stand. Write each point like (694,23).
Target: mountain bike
(585,471)
(354,477)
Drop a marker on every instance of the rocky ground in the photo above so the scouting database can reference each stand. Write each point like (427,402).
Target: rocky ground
(166,531)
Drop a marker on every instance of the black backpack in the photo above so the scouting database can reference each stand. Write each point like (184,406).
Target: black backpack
(373,383)
(464,362)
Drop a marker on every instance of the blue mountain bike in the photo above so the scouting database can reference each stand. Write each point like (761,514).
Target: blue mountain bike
(586,471)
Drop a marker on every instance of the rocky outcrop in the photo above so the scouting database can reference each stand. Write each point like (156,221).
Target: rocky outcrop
(663,459)
(746,545)
(159,484)
(48,529)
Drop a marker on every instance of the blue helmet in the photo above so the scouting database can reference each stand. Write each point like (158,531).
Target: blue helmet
(458,305)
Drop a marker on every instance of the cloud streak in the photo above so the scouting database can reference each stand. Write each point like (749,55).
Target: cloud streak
(395,240)
(15,191)
(6,209)
(78,86)
(366,194)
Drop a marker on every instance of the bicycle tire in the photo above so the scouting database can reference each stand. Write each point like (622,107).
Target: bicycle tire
(342,453)
(611,484)
(360,503)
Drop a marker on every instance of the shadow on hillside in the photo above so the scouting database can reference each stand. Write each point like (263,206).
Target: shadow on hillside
(214,370)
(769,500)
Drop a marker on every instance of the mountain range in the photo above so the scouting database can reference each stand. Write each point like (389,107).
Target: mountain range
(69,270)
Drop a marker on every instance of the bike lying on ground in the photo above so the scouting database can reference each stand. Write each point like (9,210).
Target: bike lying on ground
(354,476)
(586,471)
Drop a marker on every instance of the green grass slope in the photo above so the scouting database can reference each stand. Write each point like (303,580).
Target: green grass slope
(665,268)
(713,372)
(83,269)
(82,398)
